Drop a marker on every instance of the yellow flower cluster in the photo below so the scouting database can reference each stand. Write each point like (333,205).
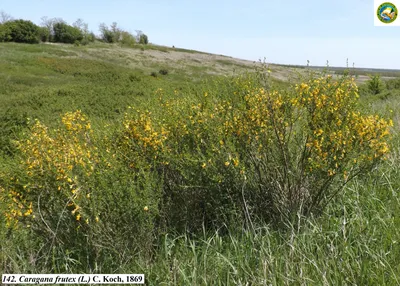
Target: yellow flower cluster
(58,155)
(266,116)
(339,138)
(76,122)
(143,131)
(18,207)
(319,115)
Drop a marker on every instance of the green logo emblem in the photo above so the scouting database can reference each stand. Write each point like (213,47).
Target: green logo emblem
(387,12)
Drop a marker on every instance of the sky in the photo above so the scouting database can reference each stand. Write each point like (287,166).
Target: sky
(284,32)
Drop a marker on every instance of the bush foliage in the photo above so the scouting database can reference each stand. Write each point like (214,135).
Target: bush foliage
(143,39)
(392,84)
(163,71)
(375,84)
(127,39)
(64,33)
(20,31)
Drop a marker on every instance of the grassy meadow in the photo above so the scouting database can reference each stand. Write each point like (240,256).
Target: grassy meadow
(196,169)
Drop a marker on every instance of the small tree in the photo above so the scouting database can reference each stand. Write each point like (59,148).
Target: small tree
(84,28)
(127,39)
(375,84)
(65,33)
(138,34)
(48,24)
(116,31)
(141,38)
(144,40)
(112,35)
(44,34)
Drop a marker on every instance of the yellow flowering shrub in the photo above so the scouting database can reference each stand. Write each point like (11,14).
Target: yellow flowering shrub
(292,149)
(314,141)
(201,159)
(72,191)
(54,163)
(340,138)
(142,137)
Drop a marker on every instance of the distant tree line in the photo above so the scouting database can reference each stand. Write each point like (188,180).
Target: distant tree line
(56,30)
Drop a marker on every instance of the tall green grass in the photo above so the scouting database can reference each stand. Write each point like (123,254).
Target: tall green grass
(355,242)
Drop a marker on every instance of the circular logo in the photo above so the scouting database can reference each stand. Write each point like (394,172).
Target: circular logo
(387,12)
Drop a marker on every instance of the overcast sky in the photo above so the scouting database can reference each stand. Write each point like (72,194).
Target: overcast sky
(286,32)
